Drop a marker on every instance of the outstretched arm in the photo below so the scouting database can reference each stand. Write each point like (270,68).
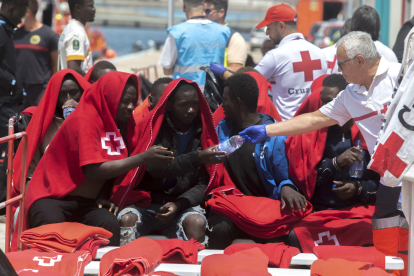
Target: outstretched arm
(298,125)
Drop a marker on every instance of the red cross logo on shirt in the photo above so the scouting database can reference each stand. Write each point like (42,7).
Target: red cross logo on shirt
(386,159)
(112,140)
(307,65)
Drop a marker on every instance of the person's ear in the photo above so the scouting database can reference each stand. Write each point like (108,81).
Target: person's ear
(184,8)
(238,101)
(361,60)
(150,100)
(222,13)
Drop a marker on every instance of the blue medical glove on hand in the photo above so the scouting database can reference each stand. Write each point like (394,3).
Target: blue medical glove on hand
(217,69)
(254,134)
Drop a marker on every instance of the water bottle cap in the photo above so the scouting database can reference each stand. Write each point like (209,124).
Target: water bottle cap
(358,142)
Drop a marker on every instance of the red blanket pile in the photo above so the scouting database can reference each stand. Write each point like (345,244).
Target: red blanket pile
(36,272)
(177,251)
(67,264)
(136,258)
(335,227)
(351,253)
(66,237)
(340,267)
(279,254)
(258,216)
(225,265)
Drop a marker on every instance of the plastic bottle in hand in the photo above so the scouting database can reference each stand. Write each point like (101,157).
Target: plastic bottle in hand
(357,169)
(67,111)
(230,145)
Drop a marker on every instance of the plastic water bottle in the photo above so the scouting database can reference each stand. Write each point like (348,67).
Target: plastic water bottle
(230,145)
(357,169)
(67,111)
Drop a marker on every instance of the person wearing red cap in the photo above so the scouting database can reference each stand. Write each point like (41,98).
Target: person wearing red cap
(293,65)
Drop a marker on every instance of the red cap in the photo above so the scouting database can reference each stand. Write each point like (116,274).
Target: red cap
(278,13)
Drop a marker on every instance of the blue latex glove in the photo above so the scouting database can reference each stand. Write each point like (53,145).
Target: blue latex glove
(217,69)
(254,134)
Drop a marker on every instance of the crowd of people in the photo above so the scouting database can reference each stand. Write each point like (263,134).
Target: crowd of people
(98,157)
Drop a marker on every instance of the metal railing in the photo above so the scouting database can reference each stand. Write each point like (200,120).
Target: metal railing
(9,219)
(146,71)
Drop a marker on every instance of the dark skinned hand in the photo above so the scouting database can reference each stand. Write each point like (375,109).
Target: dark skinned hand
(104,203)
(346,189)
(289,195)
(158,156)
(208,156)
(172,209)
(349,156)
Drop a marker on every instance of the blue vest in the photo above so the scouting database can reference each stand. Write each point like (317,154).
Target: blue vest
(197,45)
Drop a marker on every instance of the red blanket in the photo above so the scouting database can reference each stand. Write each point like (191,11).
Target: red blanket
(375,271)
(339,267)
(68,264)
(305,151)
(88,74)
(264,104)
(351,253)
(124,192)
(36,272)
(225,265)
(249,272)
(89,136)
(136,258)
(41,120)
(258,216)
(349,226)
(141,110)
(180,252)
(279,254)
(66,237)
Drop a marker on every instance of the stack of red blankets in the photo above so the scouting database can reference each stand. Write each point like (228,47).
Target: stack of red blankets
(179,252)
(341,267)
(66,237)
(258,216)
(33,262)
(279,254)
(246,262)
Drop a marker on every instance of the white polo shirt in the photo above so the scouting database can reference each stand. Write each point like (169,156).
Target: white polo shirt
(331,58)
(74,45)
(367,108)
(291,68)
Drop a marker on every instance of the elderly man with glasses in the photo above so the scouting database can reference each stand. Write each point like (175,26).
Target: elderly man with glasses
(372,80)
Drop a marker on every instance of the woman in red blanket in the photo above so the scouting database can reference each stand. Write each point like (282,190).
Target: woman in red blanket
(90,149)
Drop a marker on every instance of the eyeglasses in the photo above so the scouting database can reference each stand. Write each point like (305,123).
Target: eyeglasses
(340,63)
(208,11)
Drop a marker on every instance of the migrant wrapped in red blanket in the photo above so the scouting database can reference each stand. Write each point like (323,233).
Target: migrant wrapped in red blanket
(68,264)
(258,216)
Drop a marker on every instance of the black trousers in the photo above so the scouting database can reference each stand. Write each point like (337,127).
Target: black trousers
(223,231)
(74,209)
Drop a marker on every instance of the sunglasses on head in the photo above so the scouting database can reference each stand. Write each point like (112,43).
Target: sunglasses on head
(208,11)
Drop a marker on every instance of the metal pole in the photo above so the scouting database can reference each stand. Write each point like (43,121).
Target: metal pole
(170,13)
(350,8)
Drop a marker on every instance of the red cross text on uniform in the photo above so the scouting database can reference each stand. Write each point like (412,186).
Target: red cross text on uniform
(111,141)
(386,159)
(307,65)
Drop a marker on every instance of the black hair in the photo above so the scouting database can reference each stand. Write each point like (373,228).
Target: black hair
(335,80)
(366,19)
(346,28)
(181,87)
(220,4)
(245,87)
(159,82)
(73,3)
(101,65)
(193,3)
(33,6)
(24,3)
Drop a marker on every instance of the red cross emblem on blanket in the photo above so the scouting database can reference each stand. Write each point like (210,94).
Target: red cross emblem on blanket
(325,238)
(112,143)
(307,65)
(386,159)
(51,260)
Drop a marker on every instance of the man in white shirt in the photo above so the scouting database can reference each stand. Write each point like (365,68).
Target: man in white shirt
(366,19)
(372,80)
(293,65)
(74,47)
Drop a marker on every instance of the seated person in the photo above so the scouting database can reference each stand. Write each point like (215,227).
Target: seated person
(151,101)
(176,191)
(256,170)
(88,152)
(98,70)
(331,151)
(65,88)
